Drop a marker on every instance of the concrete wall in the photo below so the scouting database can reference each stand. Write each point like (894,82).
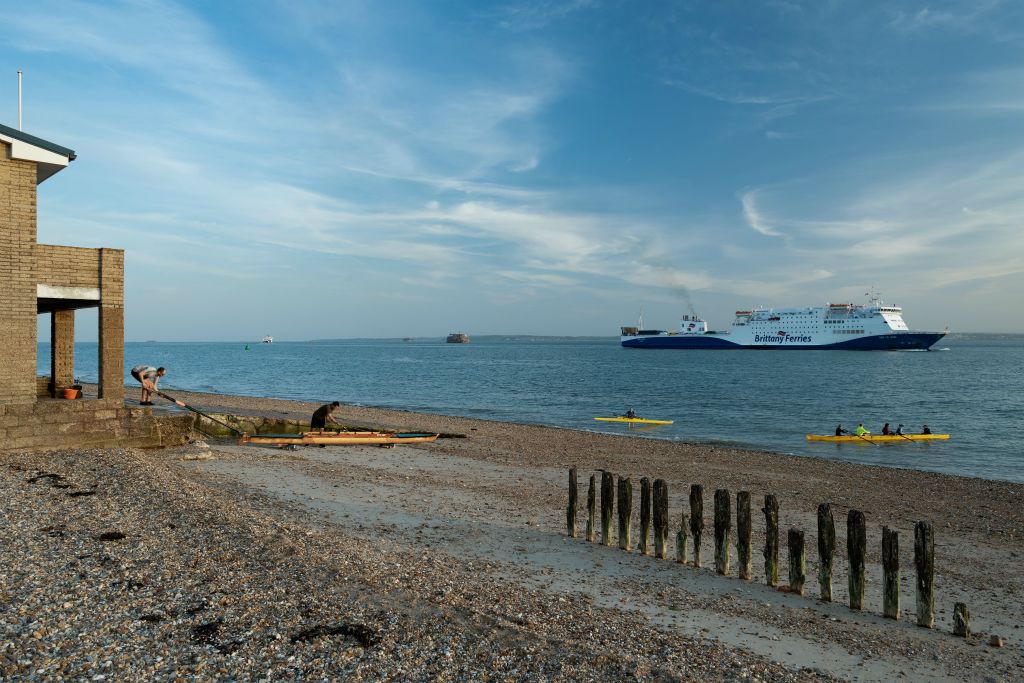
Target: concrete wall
(17,278)
(102,423)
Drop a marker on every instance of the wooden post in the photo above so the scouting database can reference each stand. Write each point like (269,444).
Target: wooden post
(891,573)
(696,519)
(744,548)
(681,540)
(856,548)
(625,513)
(797,563)
(660,519)
(723,525)
(924,558)
(771,540)
(961,620)
(592,509)
(826,549)
(607,506)
(645,516)
(570,510)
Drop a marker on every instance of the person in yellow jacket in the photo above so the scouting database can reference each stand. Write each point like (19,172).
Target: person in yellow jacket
(860,431)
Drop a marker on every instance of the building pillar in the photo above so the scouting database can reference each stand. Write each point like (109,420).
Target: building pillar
(62,350)
(18,306)
(111,333)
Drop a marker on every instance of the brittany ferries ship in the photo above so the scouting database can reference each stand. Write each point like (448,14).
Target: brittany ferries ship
(874,327)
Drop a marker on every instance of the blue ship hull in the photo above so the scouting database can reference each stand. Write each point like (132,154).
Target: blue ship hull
(902,341)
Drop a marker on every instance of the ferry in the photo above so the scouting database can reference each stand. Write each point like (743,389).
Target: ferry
(267,340)
(457,338)
(871,327)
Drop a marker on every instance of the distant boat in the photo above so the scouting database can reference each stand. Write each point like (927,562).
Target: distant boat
(267,340)
(408,339)
(457,338)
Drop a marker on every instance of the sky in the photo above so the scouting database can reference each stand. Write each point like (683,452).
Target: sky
(343,169)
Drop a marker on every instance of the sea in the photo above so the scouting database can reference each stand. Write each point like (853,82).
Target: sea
(969,386)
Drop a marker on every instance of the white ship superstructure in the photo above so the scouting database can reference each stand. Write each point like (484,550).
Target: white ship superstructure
(875,326)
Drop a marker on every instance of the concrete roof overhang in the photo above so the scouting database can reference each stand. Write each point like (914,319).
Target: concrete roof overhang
(49,157)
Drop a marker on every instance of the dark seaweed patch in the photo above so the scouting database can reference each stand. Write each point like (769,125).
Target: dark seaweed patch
(362,634)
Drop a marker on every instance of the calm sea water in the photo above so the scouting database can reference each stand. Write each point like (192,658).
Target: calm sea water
(972,388)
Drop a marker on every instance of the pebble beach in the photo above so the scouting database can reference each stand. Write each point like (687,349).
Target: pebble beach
(450,561)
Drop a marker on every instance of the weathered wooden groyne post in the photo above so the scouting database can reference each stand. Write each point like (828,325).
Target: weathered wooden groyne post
(696,519)
(570,510)
(645,516)
(771,540)
(797,561)
(592,509)
(744,547)
(924,560)
(625,513)
(681,539)
(607,506)
(856,548)
(660,519)
(890,573)
(723,525)
(826,549)
(961,620)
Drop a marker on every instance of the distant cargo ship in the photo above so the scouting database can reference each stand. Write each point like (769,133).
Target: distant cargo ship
(457,338)
(871,327)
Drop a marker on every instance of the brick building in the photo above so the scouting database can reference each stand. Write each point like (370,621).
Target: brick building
(43,278)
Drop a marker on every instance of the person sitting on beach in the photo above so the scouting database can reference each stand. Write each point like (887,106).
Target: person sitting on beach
(323,415)
(148,376)
(885,429)
(899,429)
(630,413)
(861,431)
(925,430)
(840,431)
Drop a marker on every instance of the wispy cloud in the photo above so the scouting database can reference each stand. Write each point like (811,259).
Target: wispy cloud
(754,217)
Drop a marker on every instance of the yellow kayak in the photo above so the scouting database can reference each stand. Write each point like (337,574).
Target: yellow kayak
(888,438)
(634,420)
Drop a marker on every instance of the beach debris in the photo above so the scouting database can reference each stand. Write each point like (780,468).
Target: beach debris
(111,536)
(961,620)
(79,494)
(995,640)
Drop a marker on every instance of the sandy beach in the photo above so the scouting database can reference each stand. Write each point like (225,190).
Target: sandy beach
(449,561)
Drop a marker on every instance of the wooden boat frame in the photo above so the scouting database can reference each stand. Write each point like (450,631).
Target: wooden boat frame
(337,438)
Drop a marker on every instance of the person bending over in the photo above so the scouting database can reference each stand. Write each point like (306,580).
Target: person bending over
(323,415)
(148,376)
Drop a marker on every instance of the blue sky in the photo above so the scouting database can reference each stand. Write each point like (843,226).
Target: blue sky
(345,169)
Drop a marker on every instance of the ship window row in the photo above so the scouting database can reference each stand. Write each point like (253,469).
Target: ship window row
(848,331)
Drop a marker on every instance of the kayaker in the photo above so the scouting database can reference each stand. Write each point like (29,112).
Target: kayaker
(885,429)
(925,430)
(840,431)
(630,414)
(861,431)
(899,429)
(148,377)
